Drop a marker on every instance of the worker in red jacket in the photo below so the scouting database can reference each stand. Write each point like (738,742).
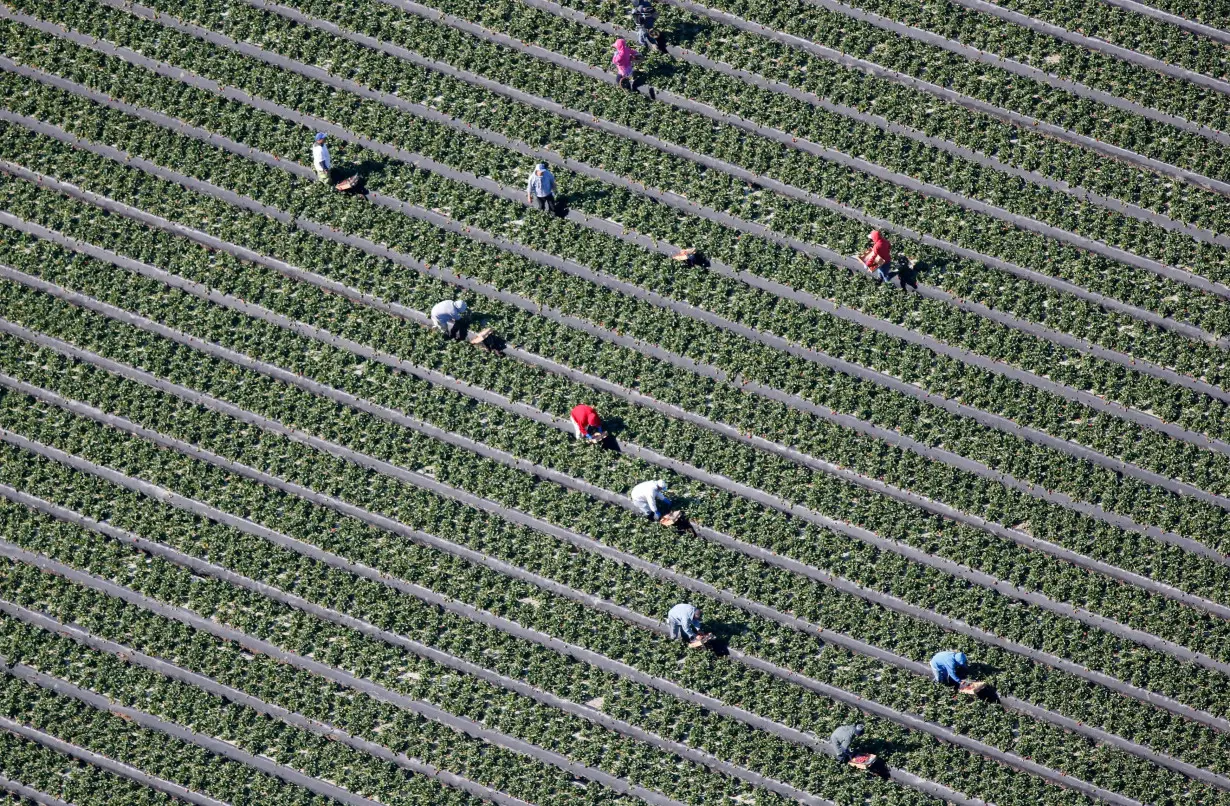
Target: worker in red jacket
(878,258)
(587,424)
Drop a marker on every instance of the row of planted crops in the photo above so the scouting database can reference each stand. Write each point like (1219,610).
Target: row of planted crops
(268,538)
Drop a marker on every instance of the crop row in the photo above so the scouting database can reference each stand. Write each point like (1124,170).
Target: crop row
(537,604)
(133,298)
(439,462)
(151,751)
(801,118)
(1139,32)
(983,284)
(1032,35)
(69,779)
(402,103)
(1202,529)
(956,27)
(1156,388)
(848,185)
(370,600)
(380,720)
(1155,138)
(1019,141)
(249,291)
(737,331)
(481,428)
(482,431)
(695,94)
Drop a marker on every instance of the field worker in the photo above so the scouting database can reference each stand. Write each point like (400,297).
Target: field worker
(449,316)
(948,668)
(646,495)
(684,622)
(645,17)
(842,738)
(624,54)
(878,258)
(586,423)
(320,158)
(540,190)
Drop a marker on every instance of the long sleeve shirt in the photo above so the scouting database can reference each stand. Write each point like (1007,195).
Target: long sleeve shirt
(685,616)
(948,665)
(880,254)
(447,312)
(586,418)
(842,738)
(647,493)
(320,157)
(540,185)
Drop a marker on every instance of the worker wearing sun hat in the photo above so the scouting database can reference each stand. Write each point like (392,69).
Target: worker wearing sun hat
(320,158)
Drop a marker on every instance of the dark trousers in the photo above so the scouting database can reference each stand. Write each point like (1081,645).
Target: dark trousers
(546,203)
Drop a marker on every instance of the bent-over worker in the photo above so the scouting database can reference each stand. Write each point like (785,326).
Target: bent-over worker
(842,738)
(449,316)
(684,622)
(320,158)
(540,189)
(586,423)
(948,668)
(646,495)
(878,258)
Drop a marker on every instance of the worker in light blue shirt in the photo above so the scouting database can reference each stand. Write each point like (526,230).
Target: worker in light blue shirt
(540,190)
(683,621)
(948,667)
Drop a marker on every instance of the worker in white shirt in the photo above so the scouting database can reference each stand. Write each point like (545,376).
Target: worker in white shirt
(683,621)
(540,189)
(646,495)
(449,317)
(320,158)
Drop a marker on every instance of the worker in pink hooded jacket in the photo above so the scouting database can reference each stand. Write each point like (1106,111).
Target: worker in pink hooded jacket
(623,58)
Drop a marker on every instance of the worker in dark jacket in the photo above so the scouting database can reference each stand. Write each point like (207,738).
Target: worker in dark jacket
(842,738)
(645,17)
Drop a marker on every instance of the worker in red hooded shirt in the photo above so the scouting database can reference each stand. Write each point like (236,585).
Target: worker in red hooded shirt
(587,424)
(878,258)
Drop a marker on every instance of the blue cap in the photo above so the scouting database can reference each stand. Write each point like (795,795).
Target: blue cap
(320,135)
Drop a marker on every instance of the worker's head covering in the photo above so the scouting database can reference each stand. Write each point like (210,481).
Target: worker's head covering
(858,729)
(875,235)
(542,166)
(960,658)
(659,484)
(320,136)
(461,305)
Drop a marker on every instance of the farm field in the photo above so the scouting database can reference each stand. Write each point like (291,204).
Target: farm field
(269,538)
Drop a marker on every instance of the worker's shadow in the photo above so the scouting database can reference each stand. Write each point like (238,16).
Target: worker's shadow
(683,34)
(906,276)
(610,442)
(723,631)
